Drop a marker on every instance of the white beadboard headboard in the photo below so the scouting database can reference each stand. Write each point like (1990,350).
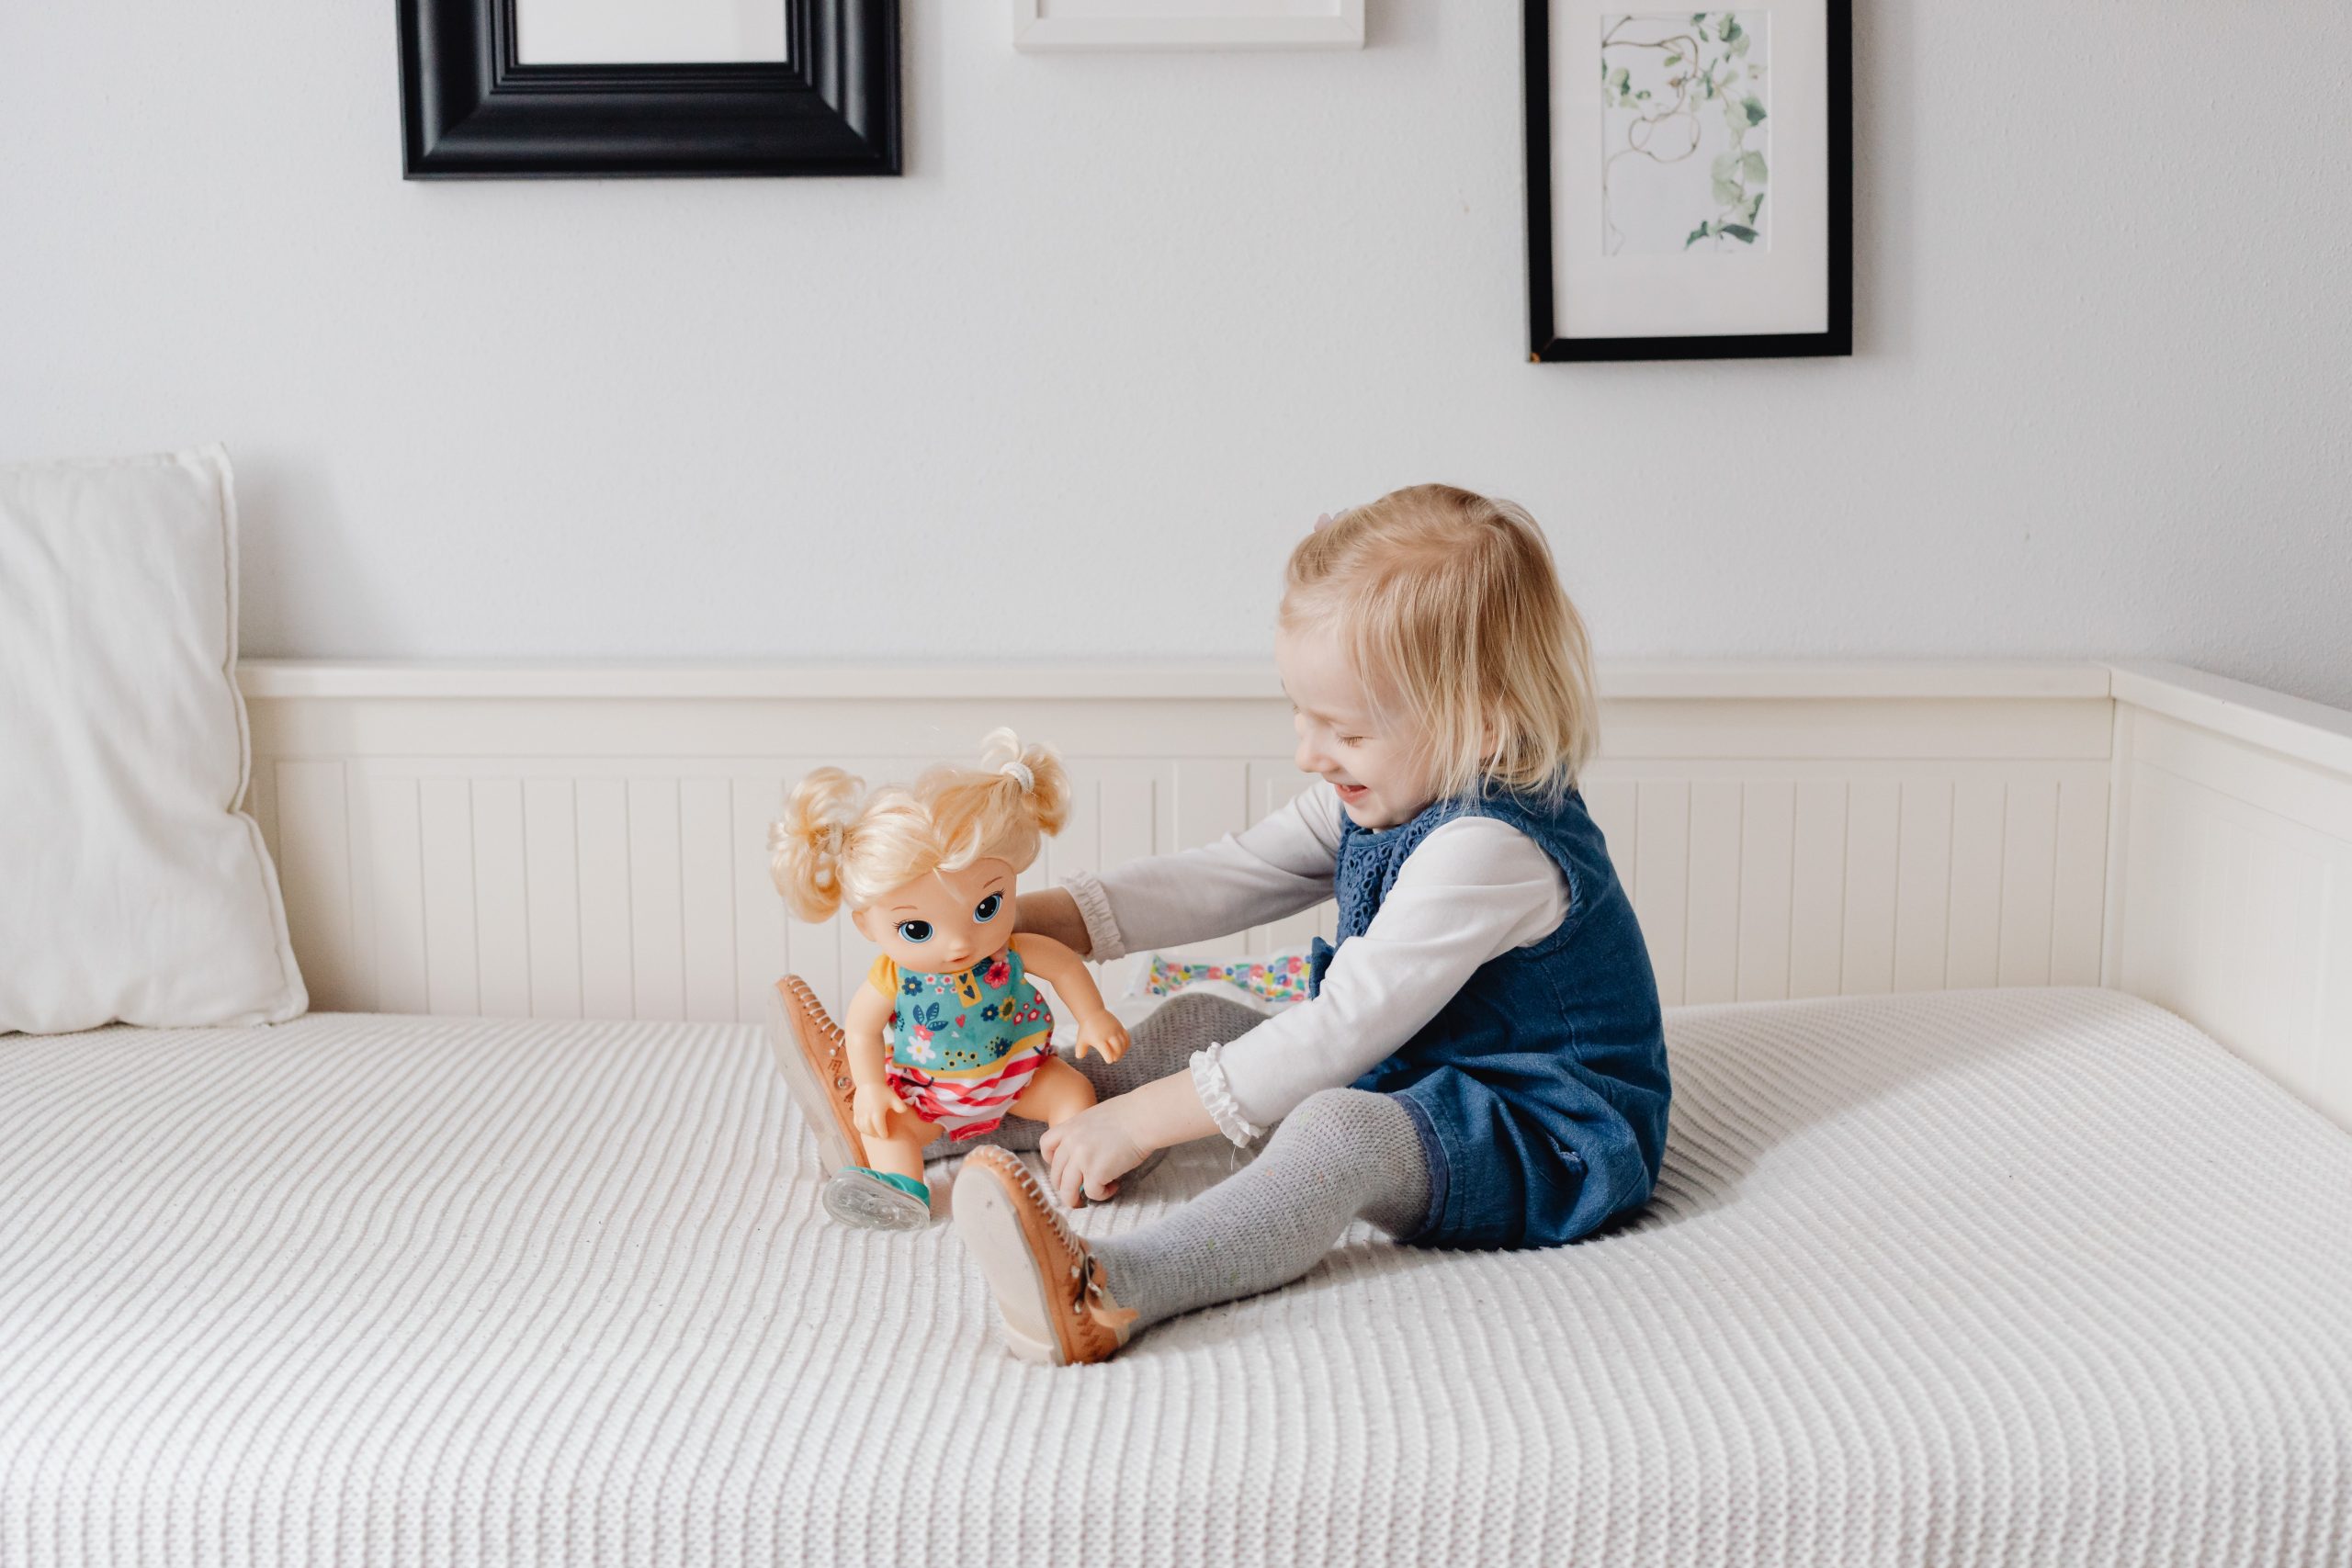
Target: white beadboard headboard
(591,840)
(580,841)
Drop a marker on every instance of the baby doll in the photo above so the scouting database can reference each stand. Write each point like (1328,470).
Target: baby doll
(946,1034)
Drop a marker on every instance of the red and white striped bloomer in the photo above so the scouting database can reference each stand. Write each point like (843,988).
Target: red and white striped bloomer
(968,1107)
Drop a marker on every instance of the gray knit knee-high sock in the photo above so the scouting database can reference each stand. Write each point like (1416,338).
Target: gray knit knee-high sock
(1344,1153)
(1162,1044)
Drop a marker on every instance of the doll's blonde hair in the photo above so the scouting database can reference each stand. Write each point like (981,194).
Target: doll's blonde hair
(839,842)
(1448,606)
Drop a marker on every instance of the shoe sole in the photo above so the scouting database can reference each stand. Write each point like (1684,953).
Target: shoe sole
(860,1200)
(790,1001)
(994,1224)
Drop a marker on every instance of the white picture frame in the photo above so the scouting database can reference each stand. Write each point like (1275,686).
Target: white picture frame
(1056,26)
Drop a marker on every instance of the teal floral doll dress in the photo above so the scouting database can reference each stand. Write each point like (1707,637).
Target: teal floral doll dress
(963,1044)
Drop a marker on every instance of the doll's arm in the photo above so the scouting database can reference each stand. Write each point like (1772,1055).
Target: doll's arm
(1055,965)
(869,1009)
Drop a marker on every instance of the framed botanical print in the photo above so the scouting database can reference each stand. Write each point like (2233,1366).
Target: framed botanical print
(520,89)
(1689,180)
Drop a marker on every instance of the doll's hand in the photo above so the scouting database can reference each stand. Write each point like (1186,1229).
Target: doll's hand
(872,1109)
(1089,1153)
(1104,1035)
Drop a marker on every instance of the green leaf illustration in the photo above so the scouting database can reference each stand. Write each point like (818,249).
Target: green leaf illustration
(1621,78)
(1740,231)
(1752,165)
(1672,60)
(1754,205)
(1725,166)
(1727,192)
(1740,45)
(1755,108)
(1701,233)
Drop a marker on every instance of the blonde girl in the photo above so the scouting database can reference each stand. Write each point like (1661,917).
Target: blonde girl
(1481,1063)
(947,1034)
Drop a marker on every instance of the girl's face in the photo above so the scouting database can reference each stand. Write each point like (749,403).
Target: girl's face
(1383,772)
(945,921)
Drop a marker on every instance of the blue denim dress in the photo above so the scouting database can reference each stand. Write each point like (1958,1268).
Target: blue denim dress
(1539,1091)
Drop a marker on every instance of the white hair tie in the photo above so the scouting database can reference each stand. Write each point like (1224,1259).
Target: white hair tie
(1020,773)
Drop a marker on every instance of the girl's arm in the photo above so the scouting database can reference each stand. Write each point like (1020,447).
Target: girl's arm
(1052,913)
(1270,871)
(1065,971)
(1475,889)
(1472,891)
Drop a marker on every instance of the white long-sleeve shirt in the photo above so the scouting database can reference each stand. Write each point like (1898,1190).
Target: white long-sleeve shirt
(1473,890)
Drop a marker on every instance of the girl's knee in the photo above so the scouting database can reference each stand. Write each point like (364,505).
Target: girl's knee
(1197,1013)
(1336,1109)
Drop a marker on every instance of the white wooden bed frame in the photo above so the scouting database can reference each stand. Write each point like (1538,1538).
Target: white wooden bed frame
(590,840)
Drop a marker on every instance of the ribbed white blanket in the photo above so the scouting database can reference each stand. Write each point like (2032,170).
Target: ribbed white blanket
(2026,1277)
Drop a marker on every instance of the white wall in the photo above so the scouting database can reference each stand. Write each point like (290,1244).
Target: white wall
(1072,386)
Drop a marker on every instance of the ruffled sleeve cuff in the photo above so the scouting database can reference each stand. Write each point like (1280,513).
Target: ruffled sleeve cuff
(1216,1098)
(1104,941)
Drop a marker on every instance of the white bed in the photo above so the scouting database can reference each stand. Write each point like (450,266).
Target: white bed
(2021,1277)
(1938,1273)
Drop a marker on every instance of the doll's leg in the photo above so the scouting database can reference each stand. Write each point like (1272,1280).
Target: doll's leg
(1343,1154)
(900,1154)
(1162,1044)
(1056,1092)
(888,1193)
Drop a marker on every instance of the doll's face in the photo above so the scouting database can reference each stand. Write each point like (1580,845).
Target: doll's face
(945,921)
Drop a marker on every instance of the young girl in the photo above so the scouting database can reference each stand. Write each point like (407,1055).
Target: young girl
(1482,1063)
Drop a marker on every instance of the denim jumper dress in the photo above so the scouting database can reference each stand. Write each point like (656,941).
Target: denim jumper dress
(1539,1091)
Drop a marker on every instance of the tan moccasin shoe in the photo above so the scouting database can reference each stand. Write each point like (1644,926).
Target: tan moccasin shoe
(810,1050)
(1056,1308)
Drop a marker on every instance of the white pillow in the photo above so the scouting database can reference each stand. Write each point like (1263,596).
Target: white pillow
(132,886)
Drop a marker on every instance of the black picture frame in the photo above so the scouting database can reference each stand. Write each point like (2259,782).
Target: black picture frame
(470,110)
(1547,347)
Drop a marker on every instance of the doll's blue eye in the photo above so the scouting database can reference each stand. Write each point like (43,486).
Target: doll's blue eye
(915,930)
(988,908)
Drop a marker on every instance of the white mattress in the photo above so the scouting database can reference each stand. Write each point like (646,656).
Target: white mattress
(2024,1277)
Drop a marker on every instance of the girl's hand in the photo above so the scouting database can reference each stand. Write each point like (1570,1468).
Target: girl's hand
(1089,1153)
(1104,1035)
(872,1109)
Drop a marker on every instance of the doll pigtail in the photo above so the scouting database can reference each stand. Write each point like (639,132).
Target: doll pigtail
(1035,772)
(806,844)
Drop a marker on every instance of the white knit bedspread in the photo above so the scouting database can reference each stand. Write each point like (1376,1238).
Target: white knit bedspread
(2023,1277)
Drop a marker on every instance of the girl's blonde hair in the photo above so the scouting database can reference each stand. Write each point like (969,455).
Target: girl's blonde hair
(1447,605)
(838,843)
